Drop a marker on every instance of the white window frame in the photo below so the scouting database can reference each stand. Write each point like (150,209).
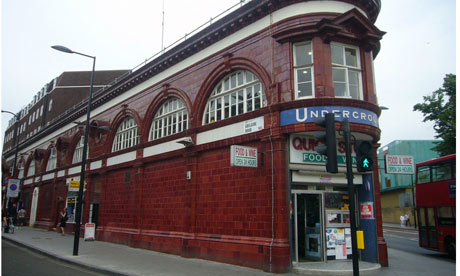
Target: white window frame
(303,67)
(348,69)
(127,135)
(52,160)
(78,153)
(21,170)
(50,104)
(171,118)
(31,170)
(230,97)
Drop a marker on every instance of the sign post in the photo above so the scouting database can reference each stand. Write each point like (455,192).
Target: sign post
(13,188)
(351,195)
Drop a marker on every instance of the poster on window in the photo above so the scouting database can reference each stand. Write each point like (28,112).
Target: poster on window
(340,251)
(71,206)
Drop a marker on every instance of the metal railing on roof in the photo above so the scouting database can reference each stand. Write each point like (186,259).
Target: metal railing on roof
(163,51)
(175,43)
(195,31)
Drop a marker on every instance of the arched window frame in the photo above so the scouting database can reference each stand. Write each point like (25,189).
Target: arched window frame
(237,93)
(21,170)
(52,160)
(127,135)
(31,170)
(171,118)
(78,152)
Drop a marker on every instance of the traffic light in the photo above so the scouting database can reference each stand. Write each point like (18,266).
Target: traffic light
(364,160)
(330,144)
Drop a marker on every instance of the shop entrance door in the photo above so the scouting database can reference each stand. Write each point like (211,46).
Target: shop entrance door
(308,227)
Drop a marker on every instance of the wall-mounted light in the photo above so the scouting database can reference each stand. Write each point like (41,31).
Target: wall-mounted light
(186,141)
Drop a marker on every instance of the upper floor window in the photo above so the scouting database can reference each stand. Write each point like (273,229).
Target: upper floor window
(21,170)
(238,93)
(52,160)
(31,170)
(127,135)
(346,71)
(303,70)
(170,118)
(78,153)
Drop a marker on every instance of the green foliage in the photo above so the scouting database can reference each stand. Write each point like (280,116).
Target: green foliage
(440,108)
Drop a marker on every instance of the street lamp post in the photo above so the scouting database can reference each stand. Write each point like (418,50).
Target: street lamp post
(85,149)
(16,138)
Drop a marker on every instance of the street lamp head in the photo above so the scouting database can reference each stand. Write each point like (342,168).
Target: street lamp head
(104,128)
(62,49)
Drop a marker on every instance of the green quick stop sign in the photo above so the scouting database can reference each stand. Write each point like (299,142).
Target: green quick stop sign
(311,157)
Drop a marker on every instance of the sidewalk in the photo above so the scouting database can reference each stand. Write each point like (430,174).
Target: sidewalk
(116,259)
(398,226)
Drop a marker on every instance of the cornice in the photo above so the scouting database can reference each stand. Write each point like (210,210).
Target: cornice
(350,26)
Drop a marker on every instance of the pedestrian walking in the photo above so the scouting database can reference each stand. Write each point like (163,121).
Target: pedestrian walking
(403,220)
(64,218)
(22,217)
(13,213)
(407,217)
(5,220)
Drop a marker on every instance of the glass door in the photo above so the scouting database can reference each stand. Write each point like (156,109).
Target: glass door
(308,227)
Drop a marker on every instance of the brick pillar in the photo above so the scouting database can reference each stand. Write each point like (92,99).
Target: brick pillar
(139,182)
(102,223)
(277,254)
(54,212)
(189,249)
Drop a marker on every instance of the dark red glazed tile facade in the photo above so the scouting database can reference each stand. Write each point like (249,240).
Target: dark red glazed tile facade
(221,212)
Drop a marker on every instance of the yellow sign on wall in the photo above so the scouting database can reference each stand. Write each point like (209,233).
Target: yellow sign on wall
(75,185)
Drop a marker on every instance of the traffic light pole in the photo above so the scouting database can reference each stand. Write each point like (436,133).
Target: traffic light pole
(351,195)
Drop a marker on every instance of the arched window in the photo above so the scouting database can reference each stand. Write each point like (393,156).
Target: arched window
(170,118)
(52,160)
(238,93)
(78,153)
(127,135)
(31,170)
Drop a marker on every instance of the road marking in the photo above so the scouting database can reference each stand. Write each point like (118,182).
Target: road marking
(396,236)
(401,231)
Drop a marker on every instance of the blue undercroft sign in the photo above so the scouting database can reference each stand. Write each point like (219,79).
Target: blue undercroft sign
(310,114)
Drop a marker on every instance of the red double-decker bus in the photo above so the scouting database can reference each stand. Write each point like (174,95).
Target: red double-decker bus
(435,198)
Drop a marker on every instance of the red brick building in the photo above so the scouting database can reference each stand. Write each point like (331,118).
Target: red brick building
(212,154)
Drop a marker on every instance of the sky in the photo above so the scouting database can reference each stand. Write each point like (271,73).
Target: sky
(416,53)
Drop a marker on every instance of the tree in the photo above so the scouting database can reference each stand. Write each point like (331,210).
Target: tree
(440,108)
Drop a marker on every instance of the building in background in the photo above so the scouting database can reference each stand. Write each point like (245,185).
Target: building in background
(54,101)
(397,189)
(212,149)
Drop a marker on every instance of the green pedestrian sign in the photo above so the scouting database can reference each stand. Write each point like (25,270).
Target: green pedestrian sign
(365,163)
